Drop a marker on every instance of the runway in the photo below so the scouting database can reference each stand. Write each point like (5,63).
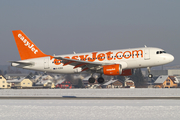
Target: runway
(90,94)
(90,98)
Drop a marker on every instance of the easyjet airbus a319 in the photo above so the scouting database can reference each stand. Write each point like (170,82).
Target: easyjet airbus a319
(111,62)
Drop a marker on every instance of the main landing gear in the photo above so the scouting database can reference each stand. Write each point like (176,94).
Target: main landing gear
(149,71)
(100,79)
(91,79)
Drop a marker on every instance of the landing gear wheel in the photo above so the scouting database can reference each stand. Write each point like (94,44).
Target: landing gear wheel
(100,80)
(150,76)
(149,71)
(91,80)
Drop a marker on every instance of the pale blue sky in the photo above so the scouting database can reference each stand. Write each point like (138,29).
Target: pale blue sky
(63,26)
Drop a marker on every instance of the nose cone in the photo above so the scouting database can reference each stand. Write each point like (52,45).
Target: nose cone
(170,58)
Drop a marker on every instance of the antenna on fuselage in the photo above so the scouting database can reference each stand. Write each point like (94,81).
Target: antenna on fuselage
(74,52)
(145,46)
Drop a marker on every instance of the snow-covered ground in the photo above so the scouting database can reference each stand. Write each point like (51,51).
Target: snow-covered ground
(126,92)
(89,109)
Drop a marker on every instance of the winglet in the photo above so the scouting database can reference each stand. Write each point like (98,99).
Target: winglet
(27,49)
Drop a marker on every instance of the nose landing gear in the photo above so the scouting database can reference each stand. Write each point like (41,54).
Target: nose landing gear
(149,71)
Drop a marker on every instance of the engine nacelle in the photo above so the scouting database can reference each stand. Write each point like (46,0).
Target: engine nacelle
(115,69)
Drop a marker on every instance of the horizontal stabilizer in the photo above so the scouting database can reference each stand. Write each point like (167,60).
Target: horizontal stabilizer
(22,63)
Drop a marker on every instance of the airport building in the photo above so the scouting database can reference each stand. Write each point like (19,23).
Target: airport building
(15,76)
(3,83)
(63,84)
(129,83)
(113,84)
(46,83)
(20,83)
(165,81)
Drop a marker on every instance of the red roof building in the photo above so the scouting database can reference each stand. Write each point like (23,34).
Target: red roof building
(63,84)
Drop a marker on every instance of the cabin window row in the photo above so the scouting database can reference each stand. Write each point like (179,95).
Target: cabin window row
(111,57)
(103,57)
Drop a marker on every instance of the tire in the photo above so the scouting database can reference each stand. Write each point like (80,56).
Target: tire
(91,80)
(150,76)
(100,80)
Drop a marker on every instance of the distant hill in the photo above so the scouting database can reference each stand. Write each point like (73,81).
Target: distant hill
(4,67)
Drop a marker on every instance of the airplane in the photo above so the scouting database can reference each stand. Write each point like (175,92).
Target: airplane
(111,62)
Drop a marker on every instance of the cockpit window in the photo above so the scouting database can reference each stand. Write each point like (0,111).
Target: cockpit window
(164,51)
(160,52)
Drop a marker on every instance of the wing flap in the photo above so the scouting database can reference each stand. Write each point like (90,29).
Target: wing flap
(74,62)
(85,65)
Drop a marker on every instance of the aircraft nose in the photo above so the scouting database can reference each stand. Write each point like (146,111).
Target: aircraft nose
(171,58)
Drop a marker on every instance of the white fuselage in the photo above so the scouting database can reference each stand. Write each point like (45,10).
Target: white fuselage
(128,58)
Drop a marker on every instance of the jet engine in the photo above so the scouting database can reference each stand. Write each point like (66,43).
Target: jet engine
(115,69)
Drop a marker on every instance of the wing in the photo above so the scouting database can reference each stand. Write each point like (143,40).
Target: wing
(85,65)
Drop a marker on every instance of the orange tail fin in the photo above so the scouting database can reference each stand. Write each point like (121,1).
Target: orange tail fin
(27,49)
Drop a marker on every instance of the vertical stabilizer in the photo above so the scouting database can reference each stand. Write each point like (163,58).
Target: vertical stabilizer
(27,49)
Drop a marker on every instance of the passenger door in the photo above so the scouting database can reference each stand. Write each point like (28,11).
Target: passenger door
(46,63)
(147,54)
